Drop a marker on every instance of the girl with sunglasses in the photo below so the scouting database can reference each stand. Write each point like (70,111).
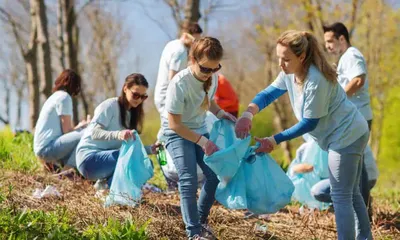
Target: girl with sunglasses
(190,94)
(114,121)
(327,115)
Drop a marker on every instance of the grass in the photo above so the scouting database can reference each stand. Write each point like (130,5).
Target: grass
(79,215)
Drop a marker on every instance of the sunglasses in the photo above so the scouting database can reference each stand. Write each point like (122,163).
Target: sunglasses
(207,70)
(136,95)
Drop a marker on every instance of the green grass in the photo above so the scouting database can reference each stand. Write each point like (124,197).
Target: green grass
(37,224)
(16,152)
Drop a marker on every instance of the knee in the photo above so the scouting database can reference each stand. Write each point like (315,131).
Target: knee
(319,195)
(188,184)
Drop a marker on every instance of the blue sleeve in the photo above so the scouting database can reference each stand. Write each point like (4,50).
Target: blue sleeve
(304,126)
(267,96)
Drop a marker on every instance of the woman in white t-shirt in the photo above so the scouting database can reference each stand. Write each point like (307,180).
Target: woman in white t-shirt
(323,111)
(190,94)
(114,121)
(55,137)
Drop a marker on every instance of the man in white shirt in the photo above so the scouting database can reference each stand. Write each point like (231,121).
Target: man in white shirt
(174,58)
(353,77)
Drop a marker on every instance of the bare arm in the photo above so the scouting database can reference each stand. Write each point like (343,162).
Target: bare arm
(175,123)
(66,124)
(354,85)
(214,108)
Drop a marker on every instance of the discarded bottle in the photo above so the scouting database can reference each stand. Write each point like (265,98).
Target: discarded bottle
(161,156)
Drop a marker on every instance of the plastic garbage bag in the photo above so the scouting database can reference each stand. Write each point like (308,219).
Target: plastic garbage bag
(248,180)
(133,170)
(312,154)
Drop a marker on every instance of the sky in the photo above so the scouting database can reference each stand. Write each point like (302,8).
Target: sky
(151,26)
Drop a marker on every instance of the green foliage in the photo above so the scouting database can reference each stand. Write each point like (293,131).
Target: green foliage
(16,152)
(115,230)
(388,160)
(27,224)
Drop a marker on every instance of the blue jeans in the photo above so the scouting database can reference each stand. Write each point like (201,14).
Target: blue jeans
(321,191)
(345,166)
(99,165)
(186,155)
(62,149)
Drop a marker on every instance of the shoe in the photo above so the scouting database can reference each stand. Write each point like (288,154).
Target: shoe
(207,232)
(197,237)
(101,184)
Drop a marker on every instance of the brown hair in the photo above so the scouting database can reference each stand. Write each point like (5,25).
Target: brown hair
(68,81)
(300,42)
(192,28)
(137,114)
(211,49)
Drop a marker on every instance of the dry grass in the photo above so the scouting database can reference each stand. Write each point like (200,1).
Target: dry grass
(164,213)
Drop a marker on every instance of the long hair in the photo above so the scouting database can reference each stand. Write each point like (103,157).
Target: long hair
(68,81)
(137,113)
(305,42)
(211,49)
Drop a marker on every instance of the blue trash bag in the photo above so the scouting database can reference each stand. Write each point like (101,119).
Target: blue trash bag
(259,185)
(268,189)
(226,161)
(134,168)
(312,154)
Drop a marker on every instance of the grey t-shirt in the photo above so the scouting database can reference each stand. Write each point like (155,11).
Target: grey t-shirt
(48,126)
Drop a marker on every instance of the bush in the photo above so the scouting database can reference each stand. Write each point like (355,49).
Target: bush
(16,152)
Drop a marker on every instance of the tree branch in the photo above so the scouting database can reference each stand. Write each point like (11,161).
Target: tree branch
(14,26)
(161,25)
(4,120)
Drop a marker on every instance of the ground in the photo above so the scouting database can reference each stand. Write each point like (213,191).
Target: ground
(161,212)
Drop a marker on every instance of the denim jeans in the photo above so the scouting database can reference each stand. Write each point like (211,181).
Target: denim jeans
(321,191)
(62,149)
(99,165)
(186,155)
(345,166)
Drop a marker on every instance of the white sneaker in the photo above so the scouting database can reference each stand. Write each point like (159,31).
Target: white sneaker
(101,184)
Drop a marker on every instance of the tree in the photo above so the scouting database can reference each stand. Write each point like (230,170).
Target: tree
(44,53)
(29,54)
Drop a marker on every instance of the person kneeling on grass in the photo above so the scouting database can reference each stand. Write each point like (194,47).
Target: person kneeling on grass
(55,137)
(114,121)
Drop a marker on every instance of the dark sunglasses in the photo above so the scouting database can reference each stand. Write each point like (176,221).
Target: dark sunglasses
(207,70)
(136,96)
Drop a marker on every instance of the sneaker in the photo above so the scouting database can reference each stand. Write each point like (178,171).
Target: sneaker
(207,232)
(101,184)
(197,237)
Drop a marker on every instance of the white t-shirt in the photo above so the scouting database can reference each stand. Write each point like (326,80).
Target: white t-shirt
(174,57)
(107,114)
(48,126)
(185,95)
(351,65)
(340,124)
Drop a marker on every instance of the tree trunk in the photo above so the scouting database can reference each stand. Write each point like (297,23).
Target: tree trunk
(70,50)
(20,96)
(192,13)
(31,69)
(44,52)
(60,40)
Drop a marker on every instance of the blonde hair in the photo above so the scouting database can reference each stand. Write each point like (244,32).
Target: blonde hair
(304,42)
(211,49)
